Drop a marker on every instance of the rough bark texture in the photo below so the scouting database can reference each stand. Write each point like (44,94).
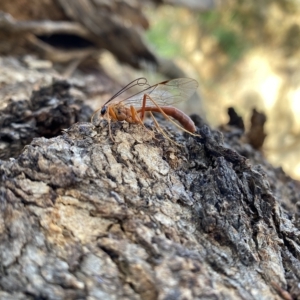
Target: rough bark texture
(49,110)
(38,102)
(85,217)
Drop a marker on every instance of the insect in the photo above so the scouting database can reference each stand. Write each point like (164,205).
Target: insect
(153,98)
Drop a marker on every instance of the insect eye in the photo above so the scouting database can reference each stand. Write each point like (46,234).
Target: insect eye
(103,110)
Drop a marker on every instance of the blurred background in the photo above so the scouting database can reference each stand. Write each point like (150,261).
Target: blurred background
(244,54)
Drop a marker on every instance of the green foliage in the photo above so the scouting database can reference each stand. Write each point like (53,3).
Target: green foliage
(209,19)
(160,36)
(231,43)
(229,39)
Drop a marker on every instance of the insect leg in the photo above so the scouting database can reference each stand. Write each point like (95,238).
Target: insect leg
(93,115)
(142,111)
(161,130)
(109,127)
(168,118)
(112,113)
(135,116)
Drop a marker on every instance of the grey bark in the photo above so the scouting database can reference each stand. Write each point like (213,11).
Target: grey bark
(85,217)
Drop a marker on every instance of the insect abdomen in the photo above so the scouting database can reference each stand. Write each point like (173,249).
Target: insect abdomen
(186,122)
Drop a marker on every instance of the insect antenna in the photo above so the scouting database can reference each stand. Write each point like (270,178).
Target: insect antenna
(142,81)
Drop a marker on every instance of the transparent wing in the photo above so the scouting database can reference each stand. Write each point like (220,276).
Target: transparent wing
(164,93)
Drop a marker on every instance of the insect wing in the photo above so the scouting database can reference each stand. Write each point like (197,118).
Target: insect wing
(164,93)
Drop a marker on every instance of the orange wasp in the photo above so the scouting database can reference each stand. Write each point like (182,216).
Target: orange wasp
(153,98)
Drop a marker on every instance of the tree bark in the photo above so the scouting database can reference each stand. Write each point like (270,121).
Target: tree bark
(138,217)
(66,30)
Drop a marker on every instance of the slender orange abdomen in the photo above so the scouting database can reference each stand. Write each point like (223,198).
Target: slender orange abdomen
(186,122)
